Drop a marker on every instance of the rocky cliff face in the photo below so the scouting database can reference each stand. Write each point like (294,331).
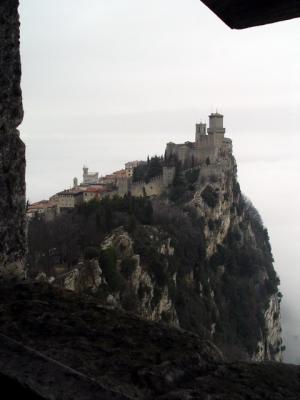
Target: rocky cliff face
(86,276)
(239,255)
(12,149)
(143,295)
(202,262)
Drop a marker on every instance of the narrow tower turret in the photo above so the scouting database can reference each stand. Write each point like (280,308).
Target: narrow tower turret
(216,128)
(200,131)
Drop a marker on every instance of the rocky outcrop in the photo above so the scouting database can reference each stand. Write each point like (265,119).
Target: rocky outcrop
(25,372)
(198,258)
(202,262)
(70,346)
(12,149)
(151,302)
(87,275)
(12,205)
(205,265)
(269,347)
(232,225)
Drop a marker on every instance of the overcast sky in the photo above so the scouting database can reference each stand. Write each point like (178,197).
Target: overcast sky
(105,82)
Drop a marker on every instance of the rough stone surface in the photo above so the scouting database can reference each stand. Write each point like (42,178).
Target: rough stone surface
(272,333)
(86,276)
(11,110)
(12,149)
(12,204)
(228,217)
(152,304)
(125,354)
(217,281)
(25,371)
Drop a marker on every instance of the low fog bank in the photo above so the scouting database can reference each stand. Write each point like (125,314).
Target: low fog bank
(272,185)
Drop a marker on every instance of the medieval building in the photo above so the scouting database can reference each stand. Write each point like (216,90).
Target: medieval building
(207,145)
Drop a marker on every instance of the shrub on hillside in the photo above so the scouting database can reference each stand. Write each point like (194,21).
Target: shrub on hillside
(91,252)
(210,196)
(128,266)
(108,262)
(148,170)
(192,175)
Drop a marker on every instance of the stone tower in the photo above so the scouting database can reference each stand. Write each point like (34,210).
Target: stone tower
(200,131)
(85,172)
(89,178)
(216,128)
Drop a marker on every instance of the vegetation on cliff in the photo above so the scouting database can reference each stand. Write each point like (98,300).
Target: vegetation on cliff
(218,289)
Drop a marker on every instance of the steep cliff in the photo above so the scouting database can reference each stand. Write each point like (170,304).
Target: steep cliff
(198,258)
(12,149)
(242,281)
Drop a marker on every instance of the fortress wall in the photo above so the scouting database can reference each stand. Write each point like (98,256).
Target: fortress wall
(123,186)
(12,149)
(168,176)
(203,140)
(112,194)
(182,151)
(153,188)
(202,154)
(199,151)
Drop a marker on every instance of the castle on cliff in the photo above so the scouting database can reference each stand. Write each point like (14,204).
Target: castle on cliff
(207,145)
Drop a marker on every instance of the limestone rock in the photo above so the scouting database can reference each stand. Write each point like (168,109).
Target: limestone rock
(86,276)
(152,302)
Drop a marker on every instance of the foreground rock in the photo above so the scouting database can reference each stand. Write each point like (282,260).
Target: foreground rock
(12,149)
(139,359)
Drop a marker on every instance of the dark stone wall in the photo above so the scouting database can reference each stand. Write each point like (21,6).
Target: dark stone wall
(12,149)
(11,110)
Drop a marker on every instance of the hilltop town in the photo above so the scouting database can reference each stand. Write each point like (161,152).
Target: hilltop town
(209,144)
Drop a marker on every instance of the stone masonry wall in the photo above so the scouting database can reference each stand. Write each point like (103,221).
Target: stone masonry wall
(152,188)
(12,149)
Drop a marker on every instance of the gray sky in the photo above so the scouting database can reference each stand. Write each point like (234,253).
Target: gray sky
(105,82)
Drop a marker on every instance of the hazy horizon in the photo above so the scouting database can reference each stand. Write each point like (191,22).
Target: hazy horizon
(106,83)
